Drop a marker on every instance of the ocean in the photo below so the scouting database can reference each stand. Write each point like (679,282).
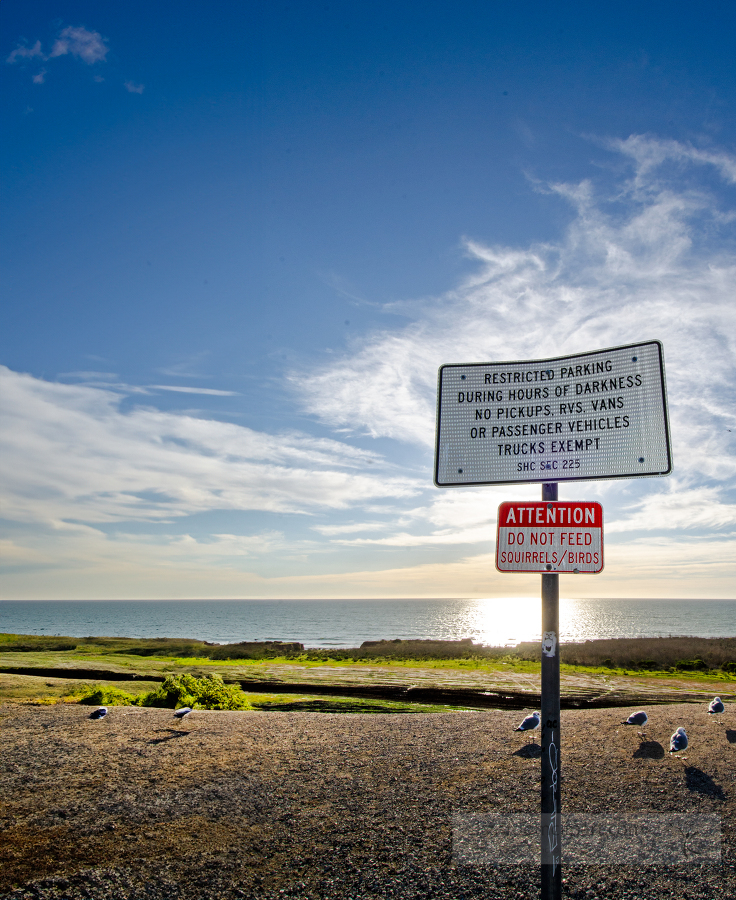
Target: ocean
(347,623)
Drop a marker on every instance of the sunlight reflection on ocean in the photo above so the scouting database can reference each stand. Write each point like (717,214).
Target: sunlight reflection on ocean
(347,623)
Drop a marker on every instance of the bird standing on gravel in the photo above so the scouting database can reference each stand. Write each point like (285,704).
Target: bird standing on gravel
(716,706)
(184,711)
(678,741)
(99,713)
(638,718)
(530,723)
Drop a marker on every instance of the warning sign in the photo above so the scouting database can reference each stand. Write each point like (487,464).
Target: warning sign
(550,537)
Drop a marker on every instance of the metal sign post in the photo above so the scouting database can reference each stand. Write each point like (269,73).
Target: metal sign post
(550,714)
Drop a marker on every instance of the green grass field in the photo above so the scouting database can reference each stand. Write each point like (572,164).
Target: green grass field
(63,668)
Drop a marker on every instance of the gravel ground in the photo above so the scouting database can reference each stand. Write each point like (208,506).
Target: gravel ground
(310,805)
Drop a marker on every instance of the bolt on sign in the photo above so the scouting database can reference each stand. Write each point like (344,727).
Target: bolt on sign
(549,537)
(570,418)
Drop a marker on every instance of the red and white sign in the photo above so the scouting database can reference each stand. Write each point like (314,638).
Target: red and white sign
(537,536)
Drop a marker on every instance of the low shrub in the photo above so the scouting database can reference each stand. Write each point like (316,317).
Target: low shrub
(425,649)
(165,647)
(691,665)
(255,650)
(108,696)
(46,644)
(209,692)
(659,654)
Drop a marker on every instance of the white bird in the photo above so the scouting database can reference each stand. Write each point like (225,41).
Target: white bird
(638,718)
(184,711)
(99,713)
(529,723)
(716,706)
(678,741)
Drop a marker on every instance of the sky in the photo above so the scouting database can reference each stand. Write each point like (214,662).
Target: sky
(239,239)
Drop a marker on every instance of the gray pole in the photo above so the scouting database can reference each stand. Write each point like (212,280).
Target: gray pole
(551,824)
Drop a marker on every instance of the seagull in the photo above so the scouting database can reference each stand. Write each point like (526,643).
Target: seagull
(99,713)
(716,706)
(678,741)
(638,718)
(530,723)
(184,711)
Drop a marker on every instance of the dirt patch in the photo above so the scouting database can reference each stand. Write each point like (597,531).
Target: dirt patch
(257,804)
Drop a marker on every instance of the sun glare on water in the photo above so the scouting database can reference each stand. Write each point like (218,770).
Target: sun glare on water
(501,621)
(506,621)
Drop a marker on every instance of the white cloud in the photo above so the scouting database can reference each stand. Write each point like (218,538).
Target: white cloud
(695,508)
(651,568)
(649,153)
(447,518)
(478,535)
(90,376)
(133,88)
(80,562)
(68,452)
(218,548)
(190,390)
(22,52)
(191,367)
(89,46)
(331,530)
(83,564)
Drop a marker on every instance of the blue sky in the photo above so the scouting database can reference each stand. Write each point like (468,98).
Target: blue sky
(239,240)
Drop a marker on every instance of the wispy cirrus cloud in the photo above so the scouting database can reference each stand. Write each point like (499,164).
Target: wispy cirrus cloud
(178,389)
(633,264)
(615,277)
(110,380)
(90,375)
(446,538)
(353,527)
(689,509)
(649,153)
(133,88)
(70,453)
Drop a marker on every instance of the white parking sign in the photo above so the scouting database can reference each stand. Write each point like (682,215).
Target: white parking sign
(570,418)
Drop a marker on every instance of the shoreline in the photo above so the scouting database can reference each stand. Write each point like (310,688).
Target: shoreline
(339,624)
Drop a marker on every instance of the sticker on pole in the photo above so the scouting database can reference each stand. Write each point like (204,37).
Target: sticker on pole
(570,418)
(550,537)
